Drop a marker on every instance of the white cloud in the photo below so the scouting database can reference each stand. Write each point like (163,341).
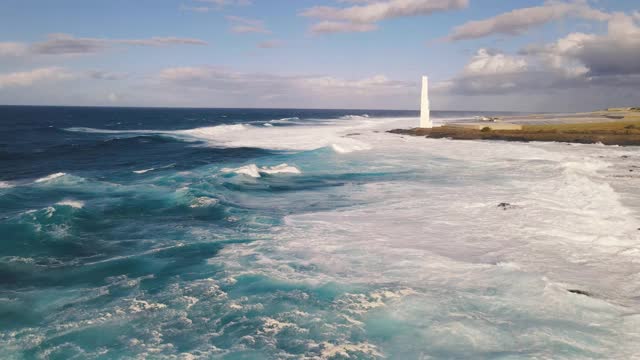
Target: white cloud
(198,9)
(198,86)
(215,77)
(486,63)
(377,11)
(226,2)
(214,5)
(8,49)
(270,44)
(520,20)
(68,44)
(244,25)
(65,44)
(326,27)
(106,75)
(578,61)
(361,17)
(28,78)
(614,53)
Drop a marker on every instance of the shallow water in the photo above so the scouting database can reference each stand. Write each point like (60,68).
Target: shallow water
(159,233)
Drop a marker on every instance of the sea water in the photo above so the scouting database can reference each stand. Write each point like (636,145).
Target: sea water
(308,234)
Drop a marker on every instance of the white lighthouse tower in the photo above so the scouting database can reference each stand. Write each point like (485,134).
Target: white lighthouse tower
(425,112)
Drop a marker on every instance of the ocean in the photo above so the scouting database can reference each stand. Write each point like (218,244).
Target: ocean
(131,233)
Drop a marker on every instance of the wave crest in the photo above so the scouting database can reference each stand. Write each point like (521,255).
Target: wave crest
(253,171)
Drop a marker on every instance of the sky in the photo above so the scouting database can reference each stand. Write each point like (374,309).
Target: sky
(492,55)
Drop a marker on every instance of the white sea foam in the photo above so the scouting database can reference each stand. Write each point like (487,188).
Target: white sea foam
(5,185)
(50,177)
(76,204)
(253,171)
(308,135)
(345,148)
(467,274)
(144,171)
(280,169)
(214,131)
(331,351)
(250,170)
(288,120)
(203,201)
(354,117)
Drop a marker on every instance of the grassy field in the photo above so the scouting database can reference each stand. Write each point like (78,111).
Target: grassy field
(627,125)
(625,132)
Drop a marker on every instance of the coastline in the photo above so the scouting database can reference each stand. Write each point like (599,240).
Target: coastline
(610,127)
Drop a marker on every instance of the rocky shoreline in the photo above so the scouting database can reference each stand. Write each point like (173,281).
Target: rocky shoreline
(623,133)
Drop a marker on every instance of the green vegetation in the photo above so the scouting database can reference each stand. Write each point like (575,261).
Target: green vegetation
(629,123)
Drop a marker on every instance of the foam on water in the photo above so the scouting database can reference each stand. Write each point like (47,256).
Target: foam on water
(280,169)
(76,204)
(309,136)
(250,170)
(443,236)
(50,177)
(373,246)
(253,171)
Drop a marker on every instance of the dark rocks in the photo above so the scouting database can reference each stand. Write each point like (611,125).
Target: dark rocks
(505,206)
(580,292)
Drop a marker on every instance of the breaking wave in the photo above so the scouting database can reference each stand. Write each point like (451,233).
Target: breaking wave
(311,136)
(253,171)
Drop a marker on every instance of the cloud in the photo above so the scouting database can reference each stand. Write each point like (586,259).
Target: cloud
(270,44)
(106,75)
(214,5)
(576,66)
(244,25)
(520,20)
(360,18)
(215,77)
(615,53)
(198,9)
(198,86)
(28,78)
(487,63)
(57,44)
(226,2)
(327,27)
(65,44)
(577,61)
(377,11)
(12,49)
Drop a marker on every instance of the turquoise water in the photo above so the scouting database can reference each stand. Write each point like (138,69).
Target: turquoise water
(271,234)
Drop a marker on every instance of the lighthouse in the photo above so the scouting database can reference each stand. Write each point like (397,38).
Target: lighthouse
(425,112)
